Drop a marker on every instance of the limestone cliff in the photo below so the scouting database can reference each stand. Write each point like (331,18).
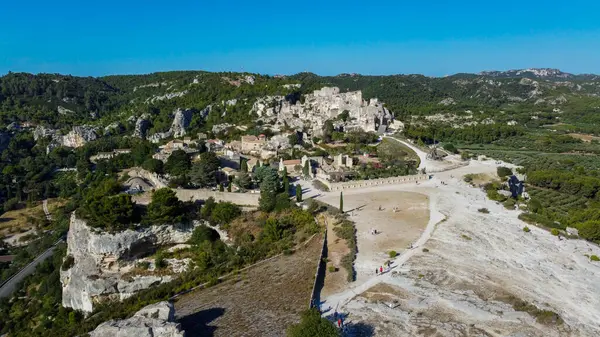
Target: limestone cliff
(98,261)
(322,105)
(155,320)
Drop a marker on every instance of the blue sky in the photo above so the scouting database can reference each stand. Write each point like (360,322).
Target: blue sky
(327,37)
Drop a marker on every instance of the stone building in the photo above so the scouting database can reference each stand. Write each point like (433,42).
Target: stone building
(253,144)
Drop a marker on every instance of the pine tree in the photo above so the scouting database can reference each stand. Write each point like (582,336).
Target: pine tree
(286,185)
(342,202)
(298,193)
(306,169)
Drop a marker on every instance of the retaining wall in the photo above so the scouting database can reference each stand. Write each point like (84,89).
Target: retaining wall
(333,187)
(250,199)
(315,295)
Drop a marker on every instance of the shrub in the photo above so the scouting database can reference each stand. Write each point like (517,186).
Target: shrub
(504,172)
(510,203)
(425,250)
(203,233)
(526,229)
(68,263)
(594,258)
(332,269)
(143,265)
(393,254)
(466,237)
(554,232)
(450,148)
(159,261)
(468,178)
(483,210)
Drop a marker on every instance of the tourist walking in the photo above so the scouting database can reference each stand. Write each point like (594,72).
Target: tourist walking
(381,270)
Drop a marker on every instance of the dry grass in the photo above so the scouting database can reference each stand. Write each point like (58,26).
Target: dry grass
(336,249)
(21,220)
(261,301)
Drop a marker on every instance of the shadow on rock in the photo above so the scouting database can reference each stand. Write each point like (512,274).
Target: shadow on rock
(197,324)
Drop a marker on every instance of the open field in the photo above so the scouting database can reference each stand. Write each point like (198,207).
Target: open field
(261,301)
(396,230)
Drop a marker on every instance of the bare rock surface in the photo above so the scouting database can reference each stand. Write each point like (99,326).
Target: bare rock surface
(155,320)
(100,260)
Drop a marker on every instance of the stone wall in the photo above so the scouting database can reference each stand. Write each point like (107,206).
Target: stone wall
(249,199)
(333,187)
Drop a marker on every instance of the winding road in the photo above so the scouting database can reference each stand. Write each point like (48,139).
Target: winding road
(10,285)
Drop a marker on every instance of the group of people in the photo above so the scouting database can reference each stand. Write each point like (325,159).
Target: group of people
(379,270)
(374,231)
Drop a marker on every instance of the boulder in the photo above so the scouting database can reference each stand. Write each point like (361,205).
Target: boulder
(155,320)
(100,259)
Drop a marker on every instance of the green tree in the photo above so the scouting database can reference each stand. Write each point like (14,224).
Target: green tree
(178,163)
(221,188)
(208,207)
(342,202)
(298,193)
(243,181)
(204,172)
(244,165)
(313,325)
(203,233)
(306,169)
(153,165)
(225,212)
(286,184)
(268,190)
(165,207)
(294,139)
(272,230)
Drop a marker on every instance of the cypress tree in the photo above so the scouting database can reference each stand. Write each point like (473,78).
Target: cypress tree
(342,202)
(298,193)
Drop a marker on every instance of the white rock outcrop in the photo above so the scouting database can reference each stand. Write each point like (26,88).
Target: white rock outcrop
(100,259)
(322,105)
(79,136)
(113,129)
(141,126)
(155,320)
(181,121)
